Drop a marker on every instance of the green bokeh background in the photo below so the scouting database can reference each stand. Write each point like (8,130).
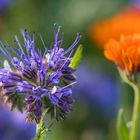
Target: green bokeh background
(38,16)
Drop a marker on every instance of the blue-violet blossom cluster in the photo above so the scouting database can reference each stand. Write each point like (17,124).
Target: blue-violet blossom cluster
(34,80)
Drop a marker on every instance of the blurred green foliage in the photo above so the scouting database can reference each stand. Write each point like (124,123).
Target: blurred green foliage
(74,16)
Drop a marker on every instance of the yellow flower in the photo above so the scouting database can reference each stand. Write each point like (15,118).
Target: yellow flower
(125,52)
(126,22)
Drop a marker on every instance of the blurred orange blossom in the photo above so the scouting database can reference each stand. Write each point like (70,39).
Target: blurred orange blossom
(125,52)
(126,22)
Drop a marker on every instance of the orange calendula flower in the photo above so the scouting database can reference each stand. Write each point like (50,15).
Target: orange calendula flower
(125,22)
(125,53)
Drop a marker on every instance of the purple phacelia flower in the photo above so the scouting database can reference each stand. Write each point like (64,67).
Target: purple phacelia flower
(35,81)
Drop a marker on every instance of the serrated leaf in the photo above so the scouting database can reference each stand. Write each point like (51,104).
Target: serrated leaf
(122,129)
(77,57)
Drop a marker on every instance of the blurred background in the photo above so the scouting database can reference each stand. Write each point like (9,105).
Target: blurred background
(99,92)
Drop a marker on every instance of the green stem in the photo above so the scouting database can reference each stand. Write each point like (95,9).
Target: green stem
(135,125)
(135,128)
(38,132)
(41,130)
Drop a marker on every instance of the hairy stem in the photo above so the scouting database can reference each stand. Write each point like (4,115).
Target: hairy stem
(41,130)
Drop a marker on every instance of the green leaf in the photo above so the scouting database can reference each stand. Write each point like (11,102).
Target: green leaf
(122,129)
(77,57)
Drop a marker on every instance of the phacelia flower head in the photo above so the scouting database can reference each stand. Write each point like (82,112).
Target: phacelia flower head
(125,53)
(36,80)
